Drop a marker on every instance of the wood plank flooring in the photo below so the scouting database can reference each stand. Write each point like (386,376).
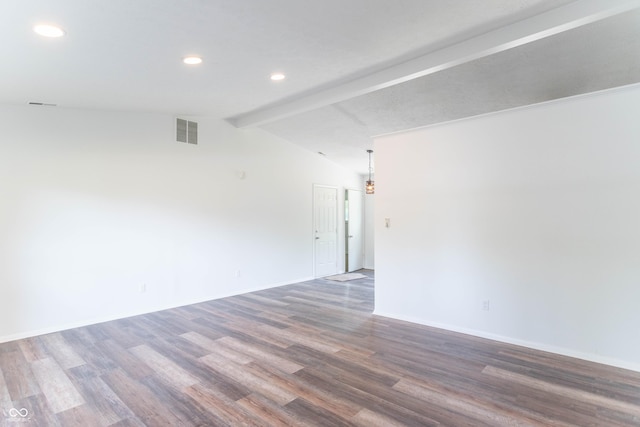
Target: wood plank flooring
(309,354)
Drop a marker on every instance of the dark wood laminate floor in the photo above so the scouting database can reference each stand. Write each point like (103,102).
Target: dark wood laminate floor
(305,354)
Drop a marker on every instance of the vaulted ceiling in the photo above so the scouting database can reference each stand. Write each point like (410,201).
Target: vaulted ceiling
(354,68)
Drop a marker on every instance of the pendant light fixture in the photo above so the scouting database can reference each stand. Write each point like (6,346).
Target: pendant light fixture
(369,188)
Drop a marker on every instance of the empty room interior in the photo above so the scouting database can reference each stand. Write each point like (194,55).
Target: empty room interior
(320,213)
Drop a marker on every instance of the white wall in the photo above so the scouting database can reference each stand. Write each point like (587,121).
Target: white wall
(95,204)
(536,210)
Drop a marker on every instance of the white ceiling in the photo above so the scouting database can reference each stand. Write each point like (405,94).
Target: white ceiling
(355,68)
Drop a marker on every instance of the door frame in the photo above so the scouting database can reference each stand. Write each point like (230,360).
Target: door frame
(347,231)
(313,225)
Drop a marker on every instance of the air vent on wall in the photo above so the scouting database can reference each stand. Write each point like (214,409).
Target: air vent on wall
(43,104)
(186,131)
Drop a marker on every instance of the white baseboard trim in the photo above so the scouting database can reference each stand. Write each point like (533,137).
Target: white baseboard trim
(96,320)
(523,343)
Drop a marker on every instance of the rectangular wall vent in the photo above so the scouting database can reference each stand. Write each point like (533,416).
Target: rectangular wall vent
(186,131)
(42,104)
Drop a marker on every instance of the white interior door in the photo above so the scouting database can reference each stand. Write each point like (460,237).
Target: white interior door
(354,230)
(325,232)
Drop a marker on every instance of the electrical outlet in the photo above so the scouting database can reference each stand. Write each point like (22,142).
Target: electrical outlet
(485,305)
(143,288)
(238,274)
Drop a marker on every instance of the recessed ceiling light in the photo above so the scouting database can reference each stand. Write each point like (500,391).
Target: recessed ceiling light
(47,30)
(277,77)
(192,60)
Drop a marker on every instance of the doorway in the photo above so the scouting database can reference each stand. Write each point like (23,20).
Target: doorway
(353,226)
(325,230)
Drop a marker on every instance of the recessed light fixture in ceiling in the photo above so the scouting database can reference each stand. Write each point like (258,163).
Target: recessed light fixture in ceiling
(48,30)
(192,60)
(277,77)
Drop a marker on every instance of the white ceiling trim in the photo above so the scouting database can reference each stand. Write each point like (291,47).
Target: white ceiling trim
(544,25)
